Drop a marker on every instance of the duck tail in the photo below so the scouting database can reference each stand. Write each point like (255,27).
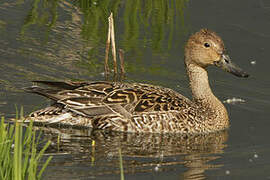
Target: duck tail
(49,93)
(61,84)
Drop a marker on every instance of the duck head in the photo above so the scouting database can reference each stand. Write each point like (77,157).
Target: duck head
(206,48)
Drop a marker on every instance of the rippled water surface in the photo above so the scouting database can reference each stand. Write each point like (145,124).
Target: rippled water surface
(65,40)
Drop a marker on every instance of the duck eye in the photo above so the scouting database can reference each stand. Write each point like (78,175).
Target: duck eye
(206,45)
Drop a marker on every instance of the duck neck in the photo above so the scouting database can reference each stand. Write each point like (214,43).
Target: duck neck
(201,91)
(203,96)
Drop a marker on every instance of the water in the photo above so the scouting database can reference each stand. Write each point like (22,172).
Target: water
(62,40)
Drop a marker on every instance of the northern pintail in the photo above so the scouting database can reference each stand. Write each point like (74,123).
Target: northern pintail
(136,107)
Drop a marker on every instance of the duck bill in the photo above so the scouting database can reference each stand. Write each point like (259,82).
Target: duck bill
(226,64)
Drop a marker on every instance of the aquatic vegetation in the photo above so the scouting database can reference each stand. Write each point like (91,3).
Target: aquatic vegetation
(158,25)
(121,164)
(19,157)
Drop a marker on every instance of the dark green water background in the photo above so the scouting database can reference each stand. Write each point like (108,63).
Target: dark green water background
(63,40)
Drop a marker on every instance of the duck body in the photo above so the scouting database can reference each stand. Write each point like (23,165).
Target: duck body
(136,107)
(129,107)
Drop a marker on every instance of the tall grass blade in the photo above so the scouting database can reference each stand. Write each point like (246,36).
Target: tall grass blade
(19,158)
(17,153)
(121,164)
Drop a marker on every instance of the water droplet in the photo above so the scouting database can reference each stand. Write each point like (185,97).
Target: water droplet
(157,167)
(253,62)
(102,74)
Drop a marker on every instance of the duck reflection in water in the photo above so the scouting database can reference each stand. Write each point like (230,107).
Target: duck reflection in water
(189,155)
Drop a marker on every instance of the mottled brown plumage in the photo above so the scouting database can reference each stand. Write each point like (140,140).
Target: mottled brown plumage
(135,107)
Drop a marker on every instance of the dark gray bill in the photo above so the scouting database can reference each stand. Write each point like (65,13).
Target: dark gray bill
(226,64)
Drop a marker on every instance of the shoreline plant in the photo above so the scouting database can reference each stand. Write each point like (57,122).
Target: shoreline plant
(19,155)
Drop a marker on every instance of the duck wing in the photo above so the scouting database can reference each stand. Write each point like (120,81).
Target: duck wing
(107,98)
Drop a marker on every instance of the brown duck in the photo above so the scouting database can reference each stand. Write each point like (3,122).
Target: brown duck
(136,107)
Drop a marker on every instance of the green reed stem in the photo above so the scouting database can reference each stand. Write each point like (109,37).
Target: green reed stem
(19,158)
